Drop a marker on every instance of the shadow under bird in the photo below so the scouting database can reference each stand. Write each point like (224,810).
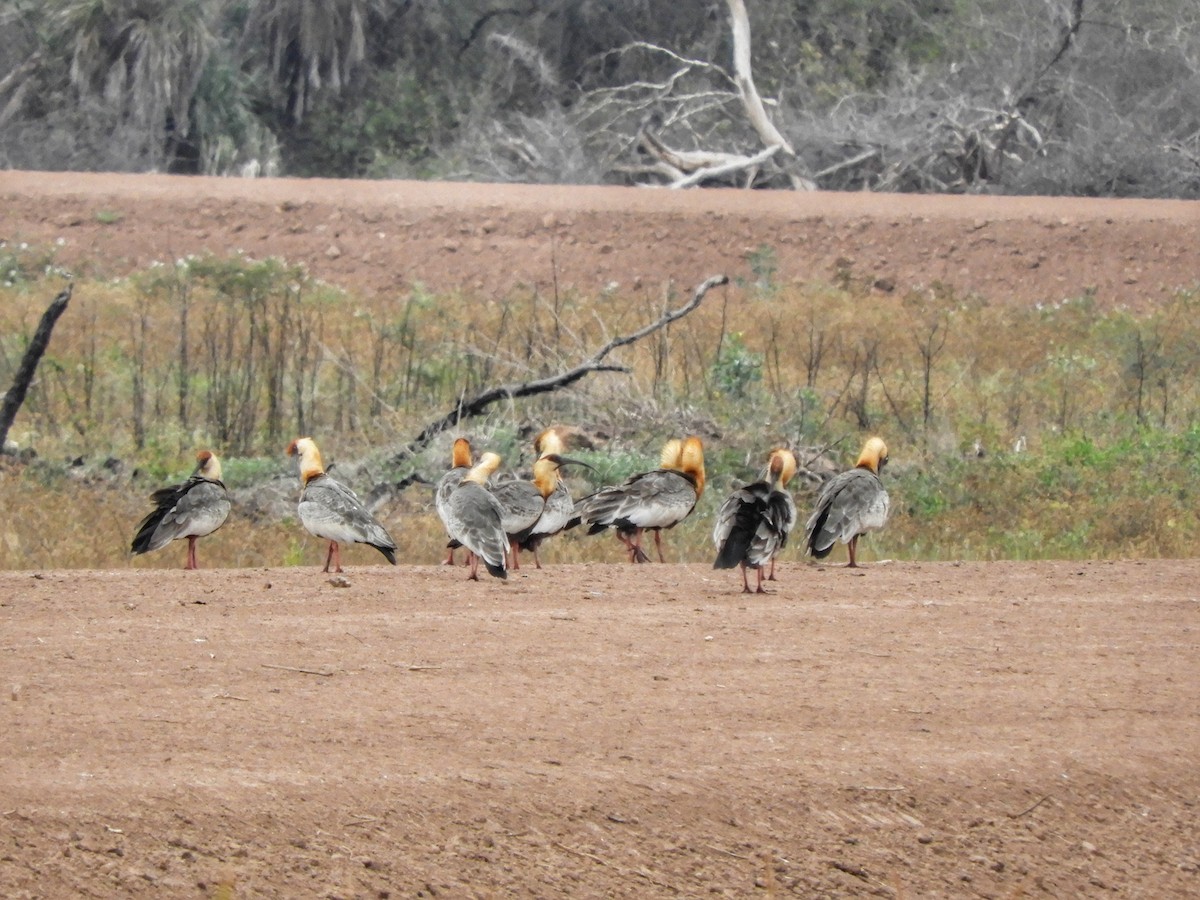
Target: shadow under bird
(850,504)
(191,510)
(474,518)
(460,465)
(331,511)
(649,501)
(754,522)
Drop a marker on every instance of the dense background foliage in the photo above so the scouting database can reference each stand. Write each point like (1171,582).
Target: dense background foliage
(1092,97)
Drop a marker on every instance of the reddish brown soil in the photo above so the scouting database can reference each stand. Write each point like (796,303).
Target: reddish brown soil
(912,730)
(386,236)
(908,730)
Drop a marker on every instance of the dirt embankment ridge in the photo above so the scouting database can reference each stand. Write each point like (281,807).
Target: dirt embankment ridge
(386,236)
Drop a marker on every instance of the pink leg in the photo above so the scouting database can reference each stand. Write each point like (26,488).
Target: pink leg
(191,554)
(631,546)
(851,547)
(658,545)
(334,556)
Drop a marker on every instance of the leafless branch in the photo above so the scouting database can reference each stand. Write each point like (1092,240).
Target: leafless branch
(478,404)
(767,132)
(693,100)
(852,162)
(731,165)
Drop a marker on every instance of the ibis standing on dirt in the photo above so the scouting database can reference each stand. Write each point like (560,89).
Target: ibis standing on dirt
(460,465)
(754,522)
(191,510)
(850,505)
(533,510)
(649,501)
(559,507)
(331,511)
(474,518)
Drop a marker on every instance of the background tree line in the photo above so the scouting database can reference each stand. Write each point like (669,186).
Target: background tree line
(1092,97)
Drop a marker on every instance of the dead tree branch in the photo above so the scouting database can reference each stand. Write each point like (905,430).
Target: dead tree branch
(737,164)
(753,103)
(29,362)
(1066,40)
(851,163)
(685,162)
(966,140)
(694,102)
(477,405)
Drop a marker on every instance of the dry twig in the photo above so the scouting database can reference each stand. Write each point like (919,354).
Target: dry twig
(1026,812)
(295,669)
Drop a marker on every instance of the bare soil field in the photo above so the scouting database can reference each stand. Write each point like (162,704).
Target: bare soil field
(383,237)
(905,730)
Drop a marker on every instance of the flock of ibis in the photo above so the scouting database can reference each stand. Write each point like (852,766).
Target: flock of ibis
(494,520)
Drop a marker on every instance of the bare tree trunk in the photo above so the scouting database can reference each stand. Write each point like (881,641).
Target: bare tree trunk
(15,395)
(686,168)
(767,132)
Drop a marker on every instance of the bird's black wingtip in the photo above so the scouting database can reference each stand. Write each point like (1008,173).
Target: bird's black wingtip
(732,552)
(816,553)
(145,532)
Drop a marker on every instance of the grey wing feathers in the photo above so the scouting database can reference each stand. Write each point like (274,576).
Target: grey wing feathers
(474,520)
(521,504)
(752,526)
(554,518)
(332,511)
(657,499)
(445,487)
(849,504)
(192,509)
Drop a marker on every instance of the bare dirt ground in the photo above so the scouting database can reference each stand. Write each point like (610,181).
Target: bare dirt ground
(385,236)
(909,730)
